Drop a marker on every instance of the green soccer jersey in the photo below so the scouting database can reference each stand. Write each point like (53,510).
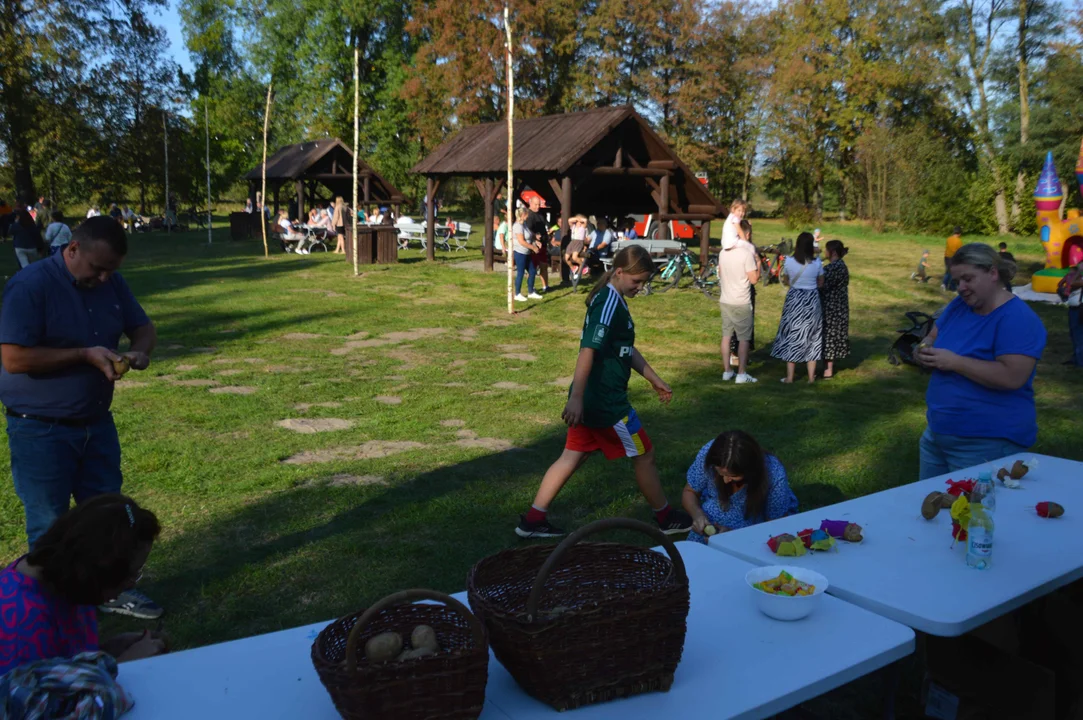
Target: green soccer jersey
(609,331)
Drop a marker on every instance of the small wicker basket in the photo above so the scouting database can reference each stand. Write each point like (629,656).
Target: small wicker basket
(449,684)
(587,622)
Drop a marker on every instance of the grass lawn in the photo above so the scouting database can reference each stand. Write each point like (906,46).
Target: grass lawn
(449,413)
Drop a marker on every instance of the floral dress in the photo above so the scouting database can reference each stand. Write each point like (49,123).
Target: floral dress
(780,498)
(836,303)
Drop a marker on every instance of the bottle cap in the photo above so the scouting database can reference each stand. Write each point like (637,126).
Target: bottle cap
(985,475)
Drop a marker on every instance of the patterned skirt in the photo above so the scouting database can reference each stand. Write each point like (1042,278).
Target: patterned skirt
(800,331)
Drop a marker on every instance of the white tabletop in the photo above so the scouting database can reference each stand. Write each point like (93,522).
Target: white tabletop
(737,662)
(905,568)
(731,648)
(266,676)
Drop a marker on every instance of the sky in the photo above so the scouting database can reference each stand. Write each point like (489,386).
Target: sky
(169,19)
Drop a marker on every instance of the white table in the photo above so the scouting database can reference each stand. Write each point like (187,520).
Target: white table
(734,658)
(737,662)
(905,570)
(266,676)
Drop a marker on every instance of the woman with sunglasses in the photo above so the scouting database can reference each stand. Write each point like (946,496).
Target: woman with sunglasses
(48,598)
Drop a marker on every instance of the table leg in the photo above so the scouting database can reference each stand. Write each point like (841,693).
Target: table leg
(891,676)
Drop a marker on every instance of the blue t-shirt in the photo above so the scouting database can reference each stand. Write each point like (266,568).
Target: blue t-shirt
(780,498)
(43,307)
(960,406)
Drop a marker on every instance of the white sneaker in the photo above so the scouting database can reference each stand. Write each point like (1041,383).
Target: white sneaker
(303,252)
(728,375)
(544,290)
(534,296)
(520,298)
(745,378)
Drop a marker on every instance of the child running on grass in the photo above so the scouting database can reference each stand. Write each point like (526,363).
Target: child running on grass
(598,413)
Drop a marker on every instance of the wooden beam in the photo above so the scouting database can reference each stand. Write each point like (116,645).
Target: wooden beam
(687,217)
(618,161)
(485,187)
(704,243)
(565,221)
(711,209)
(338,176)
(663,207)
(632,172)
(300,200)
(430,218)
(366,191)
(554,185)
(663,164)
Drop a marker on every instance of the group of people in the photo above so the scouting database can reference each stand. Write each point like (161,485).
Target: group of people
(815,322)
(35,232)
(327,219)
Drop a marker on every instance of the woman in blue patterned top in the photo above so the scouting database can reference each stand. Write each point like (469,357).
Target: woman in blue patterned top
(733,484)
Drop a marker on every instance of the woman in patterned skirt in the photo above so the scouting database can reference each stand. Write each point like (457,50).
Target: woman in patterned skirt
(836,301)
(800,331)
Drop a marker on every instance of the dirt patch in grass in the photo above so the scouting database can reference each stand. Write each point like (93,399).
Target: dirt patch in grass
(371,450)
(303,336)
(231,361)
(466,434)
(318,291)
(234,390)
(174,346)
(468,334)
(511,348)
(204,349)
(495,444)
(453,384)
(196,383)
(453,423)
(562,381)
(186,368)
(416,334)
(358,335)
(344,480)
(129,384)
(507,385)
(388,399)
(525,357)
(498,322)
(229,373)
(410,359)
(304,407)
(309,426)
(281,369)
(459,363)
(360,345)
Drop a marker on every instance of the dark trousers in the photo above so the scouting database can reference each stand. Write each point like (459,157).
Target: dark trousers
(51,464)
(1075,329)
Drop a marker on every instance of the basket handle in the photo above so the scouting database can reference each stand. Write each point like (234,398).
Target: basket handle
(399,598)
(596,527)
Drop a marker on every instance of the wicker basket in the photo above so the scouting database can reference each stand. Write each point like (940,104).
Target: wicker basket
(449,684)
(587,622)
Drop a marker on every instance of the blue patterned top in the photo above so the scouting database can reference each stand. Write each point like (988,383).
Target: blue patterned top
(780,498)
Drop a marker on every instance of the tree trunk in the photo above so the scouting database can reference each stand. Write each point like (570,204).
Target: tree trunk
(1024,102)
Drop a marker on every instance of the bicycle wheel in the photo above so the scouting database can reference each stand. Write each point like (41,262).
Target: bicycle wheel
(671,276)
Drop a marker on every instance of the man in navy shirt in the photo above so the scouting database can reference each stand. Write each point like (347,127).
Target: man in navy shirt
(60,328)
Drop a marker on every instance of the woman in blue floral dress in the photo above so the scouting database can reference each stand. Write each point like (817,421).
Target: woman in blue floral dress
(733,483)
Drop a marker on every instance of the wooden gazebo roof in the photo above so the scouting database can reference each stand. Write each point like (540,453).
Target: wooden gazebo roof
(329,162)
(614,158)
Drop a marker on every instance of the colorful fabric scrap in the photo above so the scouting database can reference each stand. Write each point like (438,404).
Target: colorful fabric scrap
(786,545)
(960,516)
(958,487)
(842,530)
(83,687)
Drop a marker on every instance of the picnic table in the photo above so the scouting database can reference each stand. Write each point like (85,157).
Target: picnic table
(905,568)
(660,250)
(753,666)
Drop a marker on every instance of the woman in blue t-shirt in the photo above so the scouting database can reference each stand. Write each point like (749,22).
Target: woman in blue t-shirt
(983,352)
(733,483)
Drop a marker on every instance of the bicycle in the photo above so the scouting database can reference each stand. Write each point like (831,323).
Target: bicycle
(670,274)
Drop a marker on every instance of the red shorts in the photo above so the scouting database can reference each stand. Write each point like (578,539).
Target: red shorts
(625,439)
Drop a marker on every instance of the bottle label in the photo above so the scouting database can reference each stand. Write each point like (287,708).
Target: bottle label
(981,541)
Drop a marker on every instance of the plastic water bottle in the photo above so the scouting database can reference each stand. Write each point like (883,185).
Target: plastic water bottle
(985,492)
(979,541)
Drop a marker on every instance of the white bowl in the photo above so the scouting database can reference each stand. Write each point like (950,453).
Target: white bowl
(781,607)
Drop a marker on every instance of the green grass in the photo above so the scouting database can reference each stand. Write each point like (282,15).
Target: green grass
(252,544)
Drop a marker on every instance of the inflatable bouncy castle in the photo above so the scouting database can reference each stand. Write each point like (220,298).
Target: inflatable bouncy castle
(1062,237)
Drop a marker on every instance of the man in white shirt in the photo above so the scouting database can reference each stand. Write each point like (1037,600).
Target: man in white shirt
(738,271)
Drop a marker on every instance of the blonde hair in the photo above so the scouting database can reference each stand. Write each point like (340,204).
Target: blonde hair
(339,203)
(521,214)
(632,260)
(983,257)
(738,204)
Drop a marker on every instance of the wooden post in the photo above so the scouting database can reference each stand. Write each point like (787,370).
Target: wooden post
(263,169)
(487,235)
(565,222)
(663,208)
(366,183)
(165,140)
(430,220)
(704,243)
(300,200)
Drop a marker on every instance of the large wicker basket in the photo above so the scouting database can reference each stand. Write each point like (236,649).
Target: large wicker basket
(449,684)
(587,622)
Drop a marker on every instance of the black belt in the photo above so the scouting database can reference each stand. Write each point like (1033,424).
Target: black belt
(66,422)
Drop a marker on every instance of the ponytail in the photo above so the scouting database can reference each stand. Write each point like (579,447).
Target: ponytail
(633,259)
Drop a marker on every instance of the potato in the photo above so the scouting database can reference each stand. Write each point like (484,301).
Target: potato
(424,636)
(121,366)
(852,533)
(383,647)
(931,505)
(710,530)
(415,653)
(947,500)
(1055,510)
(1019,469)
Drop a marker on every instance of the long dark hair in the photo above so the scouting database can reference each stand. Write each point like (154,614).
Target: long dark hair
(90,550)
(805,249)
(738,453)
(835,247)
(633,260)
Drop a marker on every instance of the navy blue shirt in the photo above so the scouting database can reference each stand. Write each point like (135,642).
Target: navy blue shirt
(43,307)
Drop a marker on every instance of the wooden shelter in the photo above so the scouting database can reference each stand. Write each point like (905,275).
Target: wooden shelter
(607,161)
(327,162)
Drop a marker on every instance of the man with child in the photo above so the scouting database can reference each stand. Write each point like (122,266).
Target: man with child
(738,271)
